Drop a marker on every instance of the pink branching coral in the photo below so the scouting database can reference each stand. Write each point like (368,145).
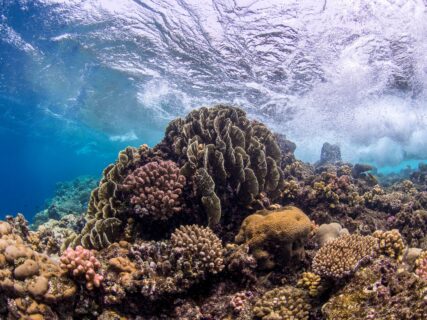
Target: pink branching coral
(239,300)
(157,189)
(82,262)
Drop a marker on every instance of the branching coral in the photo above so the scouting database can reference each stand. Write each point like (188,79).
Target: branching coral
(156,188)
(421,265)
(311,282)
(342,256)
(283,303)
(390,243)
(82,263)
(199,250)
(275,236)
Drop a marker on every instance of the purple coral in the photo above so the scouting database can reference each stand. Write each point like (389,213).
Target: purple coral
(157,189)
(82,262)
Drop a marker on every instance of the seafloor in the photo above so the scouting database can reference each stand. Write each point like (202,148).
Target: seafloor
(221,221)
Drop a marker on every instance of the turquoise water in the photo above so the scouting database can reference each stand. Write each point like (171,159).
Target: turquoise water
(81,80)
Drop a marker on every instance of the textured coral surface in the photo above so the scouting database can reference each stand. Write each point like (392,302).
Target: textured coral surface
(221,221)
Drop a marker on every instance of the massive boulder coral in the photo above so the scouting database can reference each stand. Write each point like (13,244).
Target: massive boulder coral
(230,159)
(157,189)
(27,274)
(275,236)
(342,256)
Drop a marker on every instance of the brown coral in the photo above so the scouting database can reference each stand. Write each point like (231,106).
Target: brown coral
(275,236)
(156,189)
(344,255)
(282,303)
(200,250)
(27,273)
(222,150)
(390,243)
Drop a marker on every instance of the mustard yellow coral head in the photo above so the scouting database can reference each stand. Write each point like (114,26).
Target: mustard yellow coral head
(277,235)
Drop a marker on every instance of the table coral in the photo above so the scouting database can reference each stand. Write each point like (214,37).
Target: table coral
(82,263)
(342,256)
(275,236)
(156,189)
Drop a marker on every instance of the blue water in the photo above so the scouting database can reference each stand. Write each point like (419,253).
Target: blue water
(80,80)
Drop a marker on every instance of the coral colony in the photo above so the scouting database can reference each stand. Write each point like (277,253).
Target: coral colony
(221,221)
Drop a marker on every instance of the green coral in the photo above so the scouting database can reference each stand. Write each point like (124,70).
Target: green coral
(230,158)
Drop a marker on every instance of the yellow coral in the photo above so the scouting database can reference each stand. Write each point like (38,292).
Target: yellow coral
(282,304)
(342,256)
(391,243)
(277,235)
(310,282)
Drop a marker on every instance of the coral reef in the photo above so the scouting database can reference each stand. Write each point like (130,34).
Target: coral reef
(32,282)
(330,153)
(220,220)
(390,243)
(275,236)
(71,197)
(379,291)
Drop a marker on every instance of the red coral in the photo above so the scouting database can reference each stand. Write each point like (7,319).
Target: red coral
(157,189)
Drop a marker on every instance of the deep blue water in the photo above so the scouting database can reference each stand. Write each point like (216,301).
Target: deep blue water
(80,80)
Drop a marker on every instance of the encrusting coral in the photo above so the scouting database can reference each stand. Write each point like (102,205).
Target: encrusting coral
(275,236)
(157,189)
(342,256)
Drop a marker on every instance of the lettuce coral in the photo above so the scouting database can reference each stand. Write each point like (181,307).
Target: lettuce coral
(230,159)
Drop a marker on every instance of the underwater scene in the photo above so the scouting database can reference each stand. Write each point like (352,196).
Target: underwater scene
(213,160)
